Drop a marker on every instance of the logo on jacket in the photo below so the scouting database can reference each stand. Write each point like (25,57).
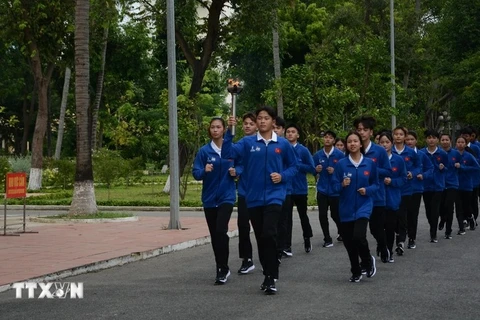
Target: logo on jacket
(278,150)
(407,158)
(253,149)
(374,159)
(347,175)
(212,159)
(454,159)
(335,160)
(366,173)
(439,159)
(394,169)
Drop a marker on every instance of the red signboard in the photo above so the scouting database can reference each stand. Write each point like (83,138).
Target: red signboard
(16,185)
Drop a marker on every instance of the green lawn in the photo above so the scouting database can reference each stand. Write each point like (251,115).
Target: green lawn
(147,193)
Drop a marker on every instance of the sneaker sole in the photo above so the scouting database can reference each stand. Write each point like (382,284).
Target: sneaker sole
(246,271)
(270,291)
(223,281)
(355,281)
(328,245)
(374,269)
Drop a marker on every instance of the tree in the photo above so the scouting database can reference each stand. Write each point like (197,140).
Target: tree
(39,28)
(83,201)
(63,107)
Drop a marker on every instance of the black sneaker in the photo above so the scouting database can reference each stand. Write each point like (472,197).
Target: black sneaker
(287,252)
(385,255)
(411,244)
(448,236)
(328,244)
(465,224)
(391,260)
(355,278)
(400,250)
(433,240)
(222,276)
(264,284)
(247,266)
(441,225)
(473,224)
(270,286)
(461,232)
(363,271)
(339,238)
(308,245)
(371,272)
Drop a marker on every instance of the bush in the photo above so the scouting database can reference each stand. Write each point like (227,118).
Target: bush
(21,164)
(5,168)
(59,173)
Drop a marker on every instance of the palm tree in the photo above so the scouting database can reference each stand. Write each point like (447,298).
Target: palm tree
(83,195)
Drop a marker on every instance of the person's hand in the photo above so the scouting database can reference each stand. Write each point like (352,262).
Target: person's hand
(441,166)
(420,176)
(362,191)
(232,171)
(409,175)
(276,177)
(346,182)
(231,121)
(330,170)
(209,167)
(318,168)
(387,180)
(457,165)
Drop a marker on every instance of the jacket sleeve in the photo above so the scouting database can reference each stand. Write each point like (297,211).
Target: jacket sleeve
(198,170)
(417,164)
(337,179)
(232,150)
(384,167)
(290,163)
(307,164)
(399,181)
(427,166)
(474,167)
(374,184)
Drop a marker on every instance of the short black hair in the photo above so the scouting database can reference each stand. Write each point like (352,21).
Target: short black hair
(405,130)
(368,122)
(279,122)
(431,132)
(386,134)
(292,125)
(249,115)
(412,133)
(271,112)
(331,133)
(466,130)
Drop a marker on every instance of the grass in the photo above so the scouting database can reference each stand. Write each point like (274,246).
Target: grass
(98,215)
(147,193)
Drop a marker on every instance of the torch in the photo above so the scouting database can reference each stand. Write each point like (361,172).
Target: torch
(234,87)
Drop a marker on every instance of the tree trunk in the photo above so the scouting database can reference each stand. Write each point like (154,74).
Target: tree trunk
(63,107)
(83,201)
(35,177)
(276,64)
(99,89)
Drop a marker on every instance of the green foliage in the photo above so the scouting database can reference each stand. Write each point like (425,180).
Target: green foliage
(58,173)
(5,168)
(21,164)
(109,167)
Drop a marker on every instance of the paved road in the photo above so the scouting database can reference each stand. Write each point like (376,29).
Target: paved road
(434,281)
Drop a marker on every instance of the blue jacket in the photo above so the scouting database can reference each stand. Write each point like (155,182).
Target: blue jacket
(451,176)
(218,186)
(427,167)
(436,182)
(304,166)
(476,175)
(380,158)
(259,161)
(353,205)
(468,168)
(393,191)
(413,164)
(324,182)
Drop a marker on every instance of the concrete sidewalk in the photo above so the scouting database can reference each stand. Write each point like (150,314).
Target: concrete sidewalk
(60,250)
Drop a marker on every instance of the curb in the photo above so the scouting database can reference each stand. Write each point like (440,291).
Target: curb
(49,220)
(125,208)
(118,261)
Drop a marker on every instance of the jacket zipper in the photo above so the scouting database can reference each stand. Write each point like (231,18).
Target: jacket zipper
(265,177)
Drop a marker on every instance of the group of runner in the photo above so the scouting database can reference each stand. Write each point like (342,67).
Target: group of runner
(361,182)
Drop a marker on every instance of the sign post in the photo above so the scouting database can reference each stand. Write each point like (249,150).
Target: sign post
(15,187)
